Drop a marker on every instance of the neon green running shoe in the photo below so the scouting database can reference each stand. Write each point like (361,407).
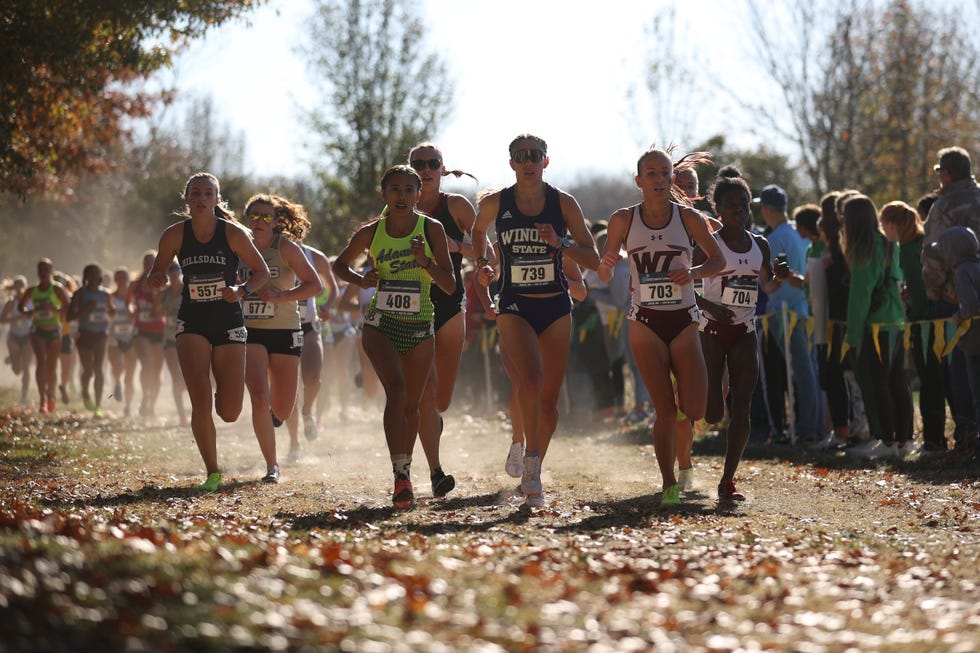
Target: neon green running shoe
(89,404)
(97,412)
(672,496)
(214,480)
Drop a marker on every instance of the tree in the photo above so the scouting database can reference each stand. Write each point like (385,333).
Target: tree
(873,89)
(760,167)
(674,76)
(600,195)
(384,92)
(71,78)
(113,217)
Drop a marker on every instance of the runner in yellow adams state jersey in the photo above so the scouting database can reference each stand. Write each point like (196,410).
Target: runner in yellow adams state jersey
(410,251)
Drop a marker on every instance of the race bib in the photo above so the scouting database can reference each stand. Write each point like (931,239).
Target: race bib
(740,292)
(123,330)
(206,289)
(402,297)
(238,334)
(44,314)
(656,289)
(532,271)
(256,309)
(99,316)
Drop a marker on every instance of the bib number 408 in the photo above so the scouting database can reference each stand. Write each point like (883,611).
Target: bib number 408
(398,302)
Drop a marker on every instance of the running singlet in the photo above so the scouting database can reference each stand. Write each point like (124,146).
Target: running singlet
(261,314)
(652,254)
(737,286)
(46,307)
(96,320)
(122,325)
(171,304)
(404,288)
(146,321)
(307,307)
(207,268)
(453,231)
(20,324)
(529,265)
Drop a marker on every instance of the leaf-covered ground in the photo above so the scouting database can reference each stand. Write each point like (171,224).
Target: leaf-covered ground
(106,544)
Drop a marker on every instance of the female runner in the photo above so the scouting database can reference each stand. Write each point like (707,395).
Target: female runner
(211,333)
(275,337)
(91,307)
(457,216)
(398,332)
(537,226)
(728,318)
(657,235)
(47,304)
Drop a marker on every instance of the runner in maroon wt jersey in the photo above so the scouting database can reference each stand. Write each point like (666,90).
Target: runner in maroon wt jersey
(728,304)
(657,234)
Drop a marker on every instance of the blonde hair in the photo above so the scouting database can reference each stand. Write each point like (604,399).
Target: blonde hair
(907,223)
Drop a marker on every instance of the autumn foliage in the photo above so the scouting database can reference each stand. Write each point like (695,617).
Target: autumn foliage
(75,72)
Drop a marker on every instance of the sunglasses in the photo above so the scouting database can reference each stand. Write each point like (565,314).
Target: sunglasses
(264,217)
(422,164)
(523,156)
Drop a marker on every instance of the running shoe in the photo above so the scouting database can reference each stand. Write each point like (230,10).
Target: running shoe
(515,460)
(43,408)
(271,476)
(51,405)
(727,492)
(635,417)
(671,496)
(89,404)
(883,450)
(535,500)
(685,479)
(117,393)
(531,478)
(831,441)
(276,422)
(293,456)
(309,427)
(442,483)
(864,447)
(908,449)
(403,497)
(214,480)
(97,412)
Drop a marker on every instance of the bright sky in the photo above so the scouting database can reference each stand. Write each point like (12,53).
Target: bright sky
(558,68)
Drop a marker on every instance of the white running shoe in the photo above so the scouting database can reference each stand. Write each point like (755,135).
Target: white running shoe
(309,427)
(868,445)
(515,460)
(531,478)
(685,479)
(908,449)
(883,451)
(829,442)
(535,500)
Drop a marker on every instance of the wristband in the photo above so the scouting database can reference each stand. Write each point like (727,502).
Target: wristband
(482,260)
(248,291)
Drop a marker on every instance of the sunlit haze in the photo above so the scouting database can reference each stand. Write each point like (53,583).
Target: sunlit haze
(560,69)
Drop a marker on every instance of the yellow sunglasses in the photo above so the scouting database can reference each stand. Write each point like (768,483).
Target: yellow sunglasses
(264,217)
